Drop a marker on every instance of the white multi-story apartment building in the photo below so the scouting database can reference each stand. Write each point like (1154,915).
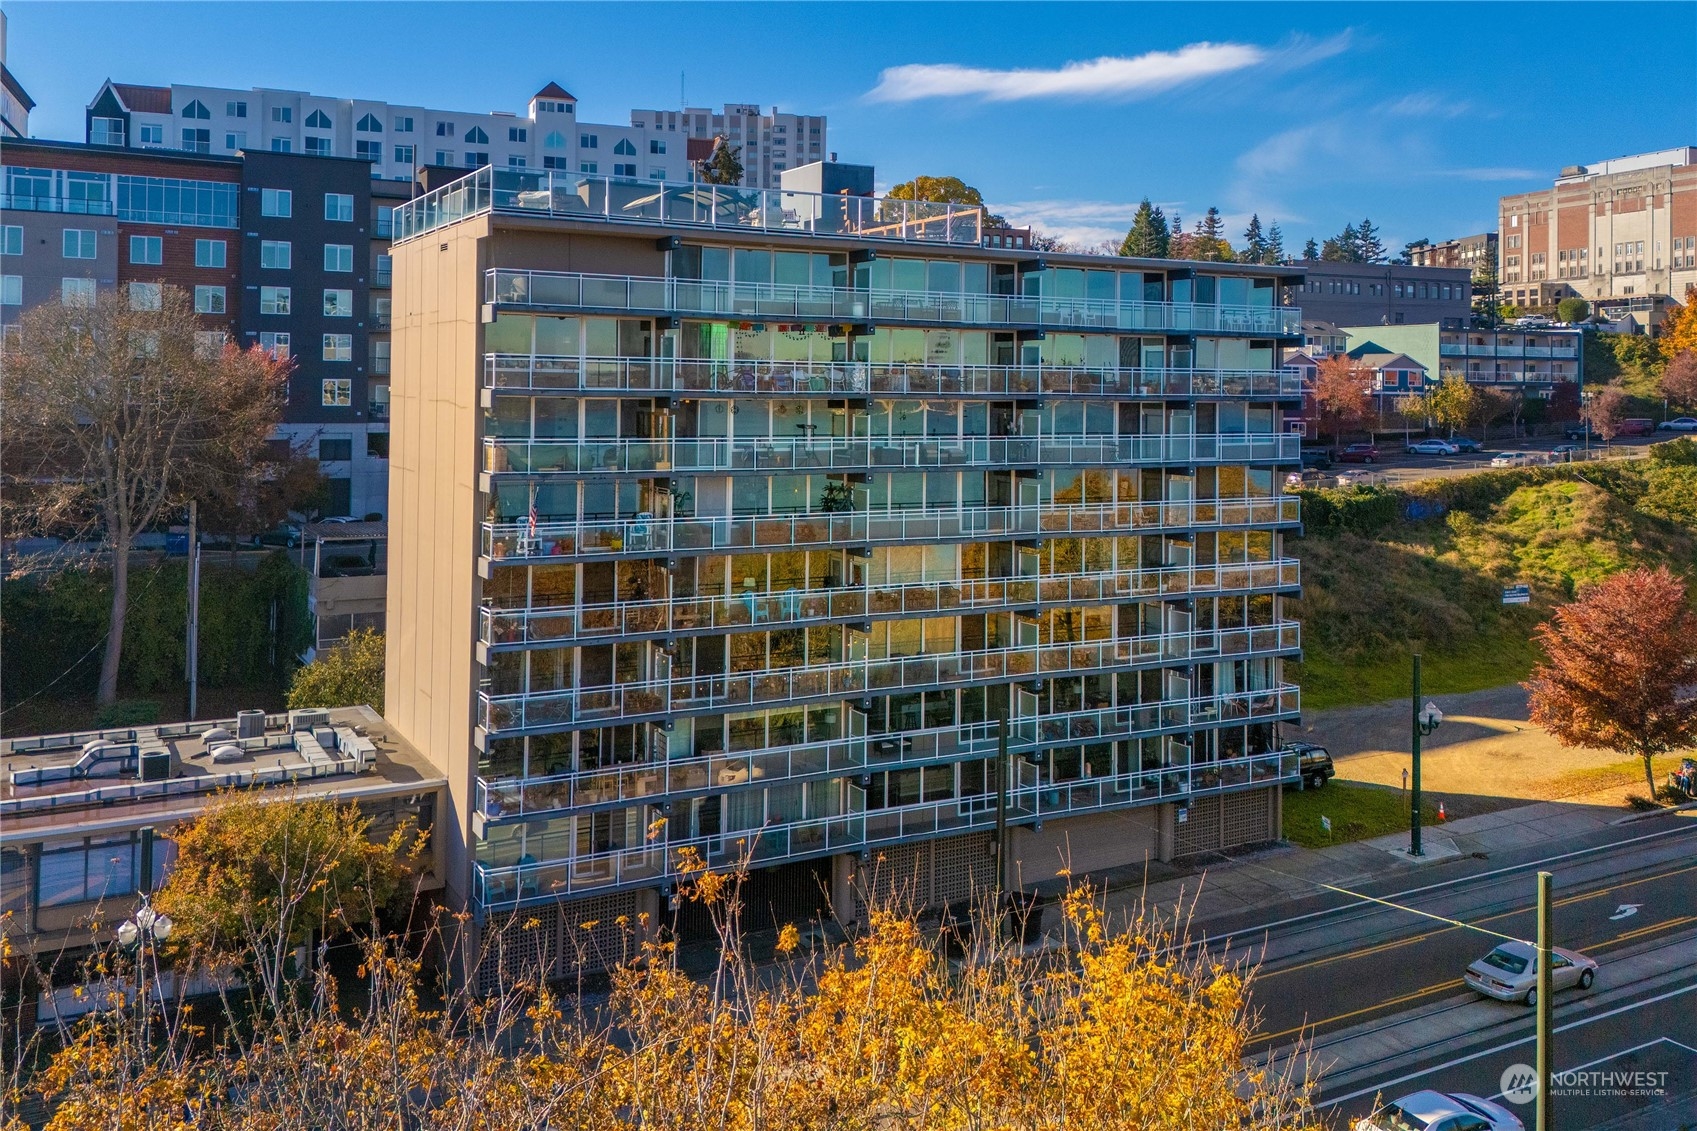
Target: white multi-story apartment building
(398,140)
(1624,227)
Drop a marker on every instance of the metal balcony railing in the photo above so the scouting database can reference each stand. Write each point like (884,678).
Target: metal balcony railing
(590,536)
(506,799)
(521,711)
(547,373)
(17,202)
(688,205)
(733,611)
(825,305)
(838,453)
(496,887)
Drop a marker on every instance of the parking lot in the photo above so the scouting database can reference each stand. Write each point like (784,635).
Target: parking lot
(1397,465)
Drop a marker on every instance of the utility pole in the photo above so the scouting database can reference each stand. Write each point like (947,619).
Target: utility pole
(1542,1118)
(193,673)
(1414,848)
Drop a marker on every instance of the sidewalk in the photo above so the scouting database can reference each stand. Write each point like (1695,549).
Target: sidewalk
(1274,876)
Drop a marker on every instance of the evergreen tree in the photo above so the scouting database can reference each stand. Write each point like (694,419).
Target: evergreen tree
(725,166)
(1345,247)
(1212,225)
(1254,241)
(1310,250)
(1406,258)
(1148,237)
(1368,244)
(1275,244)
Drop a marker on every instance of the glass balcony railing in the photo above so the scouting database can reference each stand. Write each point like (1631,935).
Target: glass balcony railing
(759,301)
(691,205)
(585,537)
(730,612)
(19,202)
(1031,798)
(837,453)
(506,799)
(544,373)
(499,714)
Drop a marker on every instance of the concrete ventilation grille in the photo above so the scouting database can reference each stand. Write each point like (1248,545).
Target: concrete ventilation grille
(1201,832)
(931,874)
(1246,818)
(557,945)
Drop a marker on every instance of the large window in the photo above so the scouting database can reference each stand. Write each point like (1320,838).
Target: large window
(338,347)
(274,300)
(209,300)
(76,292)
(339,206)
(197,140)
(274,343)
(12,239)
(403,154)
(338,303)
(11,290)
(80,243)
(209,253)
(145,296)
(84,873)
(169,200)
(276,202)
(338,392)
(276,254)
(147,250)
(338,257)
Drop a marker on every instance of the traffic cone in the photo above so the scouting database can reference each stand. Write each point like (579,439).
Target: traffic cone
(1440,810)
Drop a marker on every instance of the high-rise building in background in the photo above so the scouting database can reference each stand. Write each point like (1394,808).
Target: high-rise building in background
(734,522)
(1619,229)
(399,140)
(15,102)
(1463,251)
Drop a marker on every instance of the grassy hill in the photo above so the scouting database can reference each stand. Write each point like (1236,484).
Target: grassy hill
(1387,572)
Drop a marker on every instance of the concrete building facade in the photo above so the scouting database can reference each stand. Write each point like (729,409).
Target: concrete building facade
(733,523)
(397,141)
(1532,360)
(1612,229)
(1468,252)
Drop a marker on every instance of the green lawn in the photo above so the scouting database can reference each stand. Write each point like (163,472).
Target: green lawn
(1357,812)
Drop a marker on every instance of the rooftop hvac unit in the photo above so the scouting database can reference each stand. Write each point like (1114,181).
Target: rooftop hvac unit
(308,719)
(156,764)
(250,724)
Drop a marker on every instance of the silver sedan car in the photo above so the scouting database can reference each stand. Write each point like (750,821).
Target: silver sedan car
(1441,1111)
(1510,972)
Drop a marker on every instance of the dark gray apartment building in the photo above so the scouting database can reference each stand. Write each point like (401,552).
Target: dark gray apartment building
(1383,294)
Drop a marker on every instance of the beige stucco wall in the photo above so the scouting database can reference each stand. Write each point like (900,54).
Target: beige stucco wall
(430,685)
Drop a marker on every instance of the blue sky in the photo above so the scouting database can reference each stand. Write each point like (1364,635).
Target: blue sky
(1065,115)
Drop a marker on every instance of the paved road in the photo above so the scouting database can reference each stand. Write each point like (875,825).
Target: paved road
(1377,991)
(1399,467)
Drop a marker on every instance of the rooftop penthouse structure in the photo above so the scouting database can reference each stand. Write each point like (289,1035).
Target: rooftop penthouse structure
(738,520)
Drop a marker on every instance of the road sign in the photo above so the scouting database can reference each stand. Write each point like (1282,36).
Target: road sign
(1517,594)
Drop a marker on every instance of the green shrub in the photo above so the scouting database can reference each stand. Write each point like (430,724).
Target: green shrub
(127,713)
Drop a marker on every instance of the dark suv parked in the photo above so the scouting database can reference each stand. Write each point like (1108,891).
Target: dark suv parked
(1314,763)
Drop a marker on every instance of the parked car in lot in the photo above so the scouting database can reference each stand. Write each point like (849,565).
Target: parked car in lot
(1359,453)
(1441,1111)
(1314,764)
(1433,448)
(1637,426)
(1319,459)
(1514,459)
(1679,424)
(1564,453)
(288,536)
(1510,972)
(1580,431)
(1467,443)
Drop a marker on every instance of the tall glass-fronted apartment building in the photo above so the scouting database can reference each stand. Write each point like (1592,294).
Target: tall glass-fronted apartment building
(735,520)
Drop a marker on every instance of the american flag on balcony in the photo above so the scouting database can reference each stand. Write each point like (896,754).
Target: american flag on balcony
(530,521)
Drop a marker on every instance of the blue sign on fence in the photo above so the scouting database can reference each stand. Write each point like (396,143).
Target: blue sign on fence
(1517,594)
(177,545)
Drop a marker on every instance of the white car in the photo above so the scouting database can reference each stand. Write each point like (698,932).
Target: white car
(1433,448)
(1679,424)
(1441,1111)
(1510,972)
(1512,459)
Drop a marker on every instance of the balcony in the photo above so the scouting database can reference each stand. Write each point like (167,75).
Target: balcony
(670,204)
(532,373)
(21,203)
(512,799)
(1030,799)
(840,453)
(595,537)
(383,279)
(739,611)
(525,711)
(658,297)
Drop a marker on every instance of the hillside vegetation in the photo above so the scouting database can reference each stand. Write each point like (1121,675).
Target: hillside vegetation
(1387,572)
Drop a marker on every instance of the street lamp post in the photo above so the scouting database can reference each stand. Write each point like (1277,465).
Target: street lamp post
(141,934)
(1424,721)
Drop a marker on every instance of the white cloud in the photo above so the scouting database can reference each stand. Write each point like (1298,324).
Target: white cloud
(1110,75)
(1424,105)
(1493,173)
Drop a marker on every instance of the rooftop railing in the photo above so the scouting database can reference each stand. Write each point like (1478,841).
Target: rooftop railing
(594,536)
(521,711)
(518,372)
(17,202)
(838,453)
(577,196)
(651,862)
(733,611)
(646,782)
(759,302)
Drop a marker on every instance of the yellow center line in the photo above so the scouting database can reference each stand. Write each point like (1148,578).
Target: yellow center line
(1403,1000)
(1409,940)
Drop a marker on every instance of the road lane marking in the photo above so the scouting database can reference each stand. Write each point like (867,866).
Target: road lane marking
(1439,886)
(1404,999)
(1625,911)
(1436,1068)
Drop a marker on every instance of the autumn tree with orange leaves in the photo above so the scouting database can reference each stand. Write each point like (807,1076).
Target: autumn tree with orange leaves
(1621,668)
(1340,394)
